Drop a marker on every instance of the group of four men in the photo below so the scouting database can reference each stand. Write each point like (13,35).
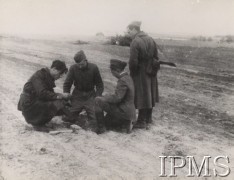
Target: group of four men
(139,90)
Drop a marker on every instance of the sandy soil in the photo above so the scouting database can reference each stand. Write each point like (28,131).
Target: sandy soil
(195,117)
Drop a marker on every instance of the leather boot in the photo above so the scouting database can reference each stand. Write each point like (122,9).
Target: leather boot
(149,116)
(129,127)
(68,116)
(100,123)
(141,120)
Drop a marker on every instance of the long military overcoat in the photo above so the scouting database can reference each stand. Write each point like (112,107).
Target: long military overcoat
(142,50)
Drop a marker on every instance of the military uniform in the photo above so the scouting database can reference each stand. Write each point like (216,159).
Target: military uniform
(38,101)
(143,50)
(88,84)
(119,106)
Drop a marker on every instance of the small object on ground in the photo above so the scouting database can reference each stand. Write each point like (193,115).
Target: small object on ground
(43,149)
(75,127)
(60,131)
(21,132)
(41,128)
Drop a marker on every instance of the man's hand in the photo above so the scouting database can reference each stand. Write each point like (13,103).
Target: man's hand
(65,96)
(105,94)
(99,98)
(156,64)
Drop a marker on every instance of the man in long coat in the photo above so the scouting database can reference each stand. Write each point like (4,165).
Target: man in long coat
(86,78)
(38,101)
(143,51)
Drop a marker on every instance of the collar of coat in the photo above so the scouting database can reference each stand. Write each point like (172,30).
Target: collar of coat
(140,34)
(122,74)
(86,67)
(49,78)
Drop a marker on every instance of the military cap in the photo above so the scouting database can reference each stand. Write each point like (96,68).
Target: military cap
(79,56)
(117,64)
(135,24)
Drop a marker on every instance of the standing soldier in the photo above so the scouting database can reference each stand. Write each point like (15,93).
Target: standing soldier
(143,65)
(88,84)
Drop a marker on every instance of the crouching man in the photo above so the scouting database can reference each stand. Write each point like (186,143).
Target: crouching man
(119,106)
(38,101)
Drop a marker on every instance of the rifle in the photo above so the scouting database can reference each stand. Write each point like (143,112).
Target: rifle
(153,67)
(160,51)
(167,63)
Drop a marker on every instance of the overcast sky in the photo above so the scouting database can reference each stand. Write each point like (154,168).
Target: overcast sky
(87,17)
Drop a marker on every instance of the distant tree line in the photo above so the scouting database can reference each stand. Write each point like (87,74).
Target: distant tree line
(227,39)
(80,42)
(123,40)
(222,39)
(120,40)
(201,38)
(100,34)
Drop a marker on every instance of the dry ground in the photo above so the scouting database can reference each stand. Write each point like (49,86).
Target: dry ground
(194,116)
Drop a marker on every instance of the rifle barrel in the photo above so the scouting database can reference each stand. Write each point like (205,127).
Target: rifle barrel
(167,63)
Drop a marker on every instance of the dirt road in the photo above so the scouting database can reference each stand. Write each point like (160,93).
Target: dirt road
(195,117)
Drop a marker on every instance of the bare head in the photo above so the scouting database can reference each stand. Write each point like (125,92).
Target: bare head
(58,69)
(80,59)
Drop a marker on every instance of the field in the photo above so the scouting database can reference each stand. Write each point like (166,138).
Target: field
(195,116)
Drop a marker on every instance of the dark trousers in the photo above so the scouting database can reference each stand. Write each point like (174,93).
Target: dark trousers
(145,115)
(79,104)
(114,117)
(41,112)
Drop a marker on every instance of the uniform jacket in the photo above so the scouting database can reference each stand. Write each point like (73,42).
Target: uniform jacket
(87,82)
(123,97)
(39,87)
(142,50)
(37,99)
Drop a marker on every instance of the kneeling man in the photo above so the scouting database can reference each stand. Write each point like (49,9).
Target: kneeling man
(119,106)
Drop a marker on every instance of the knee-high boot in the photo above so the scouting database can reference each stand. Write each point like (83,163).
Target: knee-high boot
(141,119)
(69,116)
(149,116)
(100,122)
